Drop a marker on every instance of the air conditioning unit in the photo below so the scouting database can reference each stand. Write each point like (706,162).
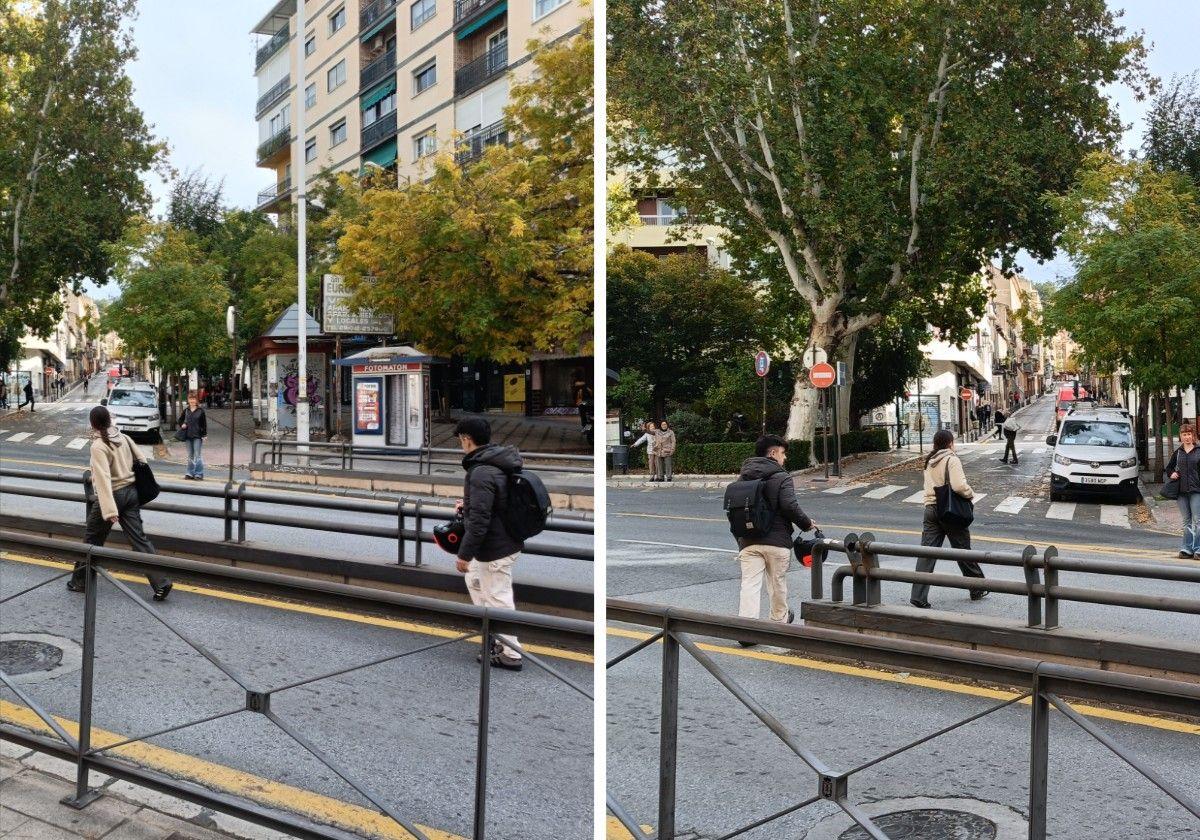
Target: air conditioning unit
(377,44)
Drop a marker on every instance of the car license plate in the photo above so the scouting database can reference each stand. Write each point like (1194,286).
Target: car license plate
(1087,479)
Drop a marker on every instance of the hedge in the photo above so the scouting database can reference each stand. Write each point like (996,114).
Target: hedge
(853,442)
(719,458)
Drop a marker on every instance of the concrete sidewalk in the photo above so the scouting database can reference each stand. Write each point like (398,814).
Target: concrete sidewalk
(32,786)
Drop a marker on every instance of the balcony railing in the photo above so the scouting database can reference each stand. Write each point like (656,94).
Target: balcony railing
(478,71)
(465,9)
(377,69)
(475,144)
(272,96)
(274,191)
(373,12)
(273,45)
(273,145)
(663,220)
(382,129)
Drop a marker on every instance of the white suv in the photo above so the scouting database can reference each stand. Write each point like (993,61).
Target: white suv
(1094,453)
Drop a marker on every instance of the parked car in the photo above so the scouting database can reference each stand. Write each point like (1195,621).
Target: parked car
(1066,398)
(1094,453)
(134,408)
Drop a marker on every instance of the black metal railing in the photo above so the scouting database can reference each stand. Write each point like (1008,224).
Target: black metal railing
(281,140)
(478,71)
(272,46)
(473,145)
(273,95)
(269,453)
(274,191)
(379,131)
(373,12)
(466,9)
(404,520)
(482,625)
(1043,683)
(377,69)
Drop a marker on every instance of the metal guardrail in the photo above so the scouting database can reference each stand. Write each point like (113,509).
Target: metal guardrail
(275,191)
(372,12)
(476,72)
(379,131)
(409,519)
(1040,587)
(484,623)
(473,145)
(1043,683)
(465,9)
(269,147)
(272,46)
(377,69)
(273,95)
(426,457)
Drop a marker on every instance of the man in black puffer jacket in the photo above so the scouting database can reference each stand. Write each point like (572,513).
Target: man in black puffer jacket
(488,553)
(770,554)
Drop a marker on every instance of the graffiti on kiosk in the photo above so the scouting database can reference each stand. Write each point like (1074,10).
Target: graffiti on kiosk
(290,387)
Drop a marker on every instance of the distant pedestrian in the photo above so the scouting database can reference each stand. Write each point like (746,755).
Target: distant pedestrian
(112,497)
(765,545)
(194,425)
(650,439)
(28,397)
(998,420)
(487,553)
(666,452)
(943,466)
(1184,467)
(1011,427)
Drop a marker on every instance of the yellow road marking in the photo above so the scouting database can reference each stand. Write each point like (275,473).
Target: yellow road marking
(1146,553)
(75,466)
(323,810)
(616,831)
(324,612)
(925,682)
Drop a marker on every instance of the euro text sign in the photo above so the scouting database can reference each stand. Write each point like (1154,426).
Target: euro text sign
(341,319)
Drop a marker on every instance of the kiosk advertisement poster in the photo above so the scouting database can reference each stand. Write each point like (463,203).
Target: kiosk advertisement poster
(367,418)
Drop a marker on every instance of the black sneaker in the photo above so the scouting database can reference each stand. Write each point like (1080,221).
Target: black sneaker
(791,617)
(921,605)
(748,644)
(1184,555)
(72,586)
(979,594)
(163,591)
(189,477)
(508,663)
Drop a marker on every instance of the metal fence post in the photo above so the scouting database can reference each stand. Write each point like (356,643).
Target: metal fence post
(400,531)
(1032,579)
(668,732)
(419,548)
(858,586)
(84,796)
(241,512)
(227,512)
(872,585)
(818,571)
(481,746)
(1048,557)
(1039,752)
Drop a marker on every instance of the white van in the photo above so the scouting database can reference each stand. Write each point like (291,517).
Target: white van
(134,408)
(1094,453)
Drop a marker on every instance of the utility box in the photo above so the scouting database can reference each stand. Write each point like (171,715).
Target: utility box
(390,402)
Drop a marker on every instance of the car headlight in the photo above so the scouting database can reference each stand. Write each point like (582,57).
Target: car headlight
(1129,462)
(1062,459)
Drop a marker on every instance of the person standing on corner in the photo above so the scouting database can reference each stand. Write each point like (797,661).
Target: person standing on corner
(488,553)
(194,425)
(770,555)
(943,465)
(666,452)
(112,497)
(1184,467)
(650,439)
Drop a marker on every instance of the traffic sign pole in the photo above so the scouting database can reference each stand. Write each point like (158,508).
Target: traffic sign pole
(762,366)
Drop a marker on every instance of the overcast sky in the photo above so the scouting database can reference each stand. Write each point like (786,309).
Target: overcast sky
(194,79)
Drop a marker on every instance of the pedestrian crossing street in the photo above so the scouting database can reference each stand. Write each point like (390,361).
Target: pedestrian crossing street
(64,407)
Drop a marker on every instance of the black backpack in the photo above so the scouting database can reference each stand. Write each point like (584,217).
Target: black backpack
(528,506)
(750,513)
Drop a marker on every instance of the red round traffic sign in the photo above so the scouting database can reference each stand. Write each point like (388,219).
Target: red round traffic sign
(822,375)
(762,363)
(967,394)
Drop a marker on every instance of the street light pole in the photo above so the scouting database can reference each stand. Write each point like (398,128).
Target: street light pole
(302,432)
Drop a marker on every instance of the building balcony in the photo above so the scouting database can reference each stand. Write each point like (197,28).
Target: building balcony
(377,69)
(479,71)
(273,194)
(271,148)
(379,131)
(466,11)
(374,12)
(657,221)
(476,143)
(274,44)
(277,92)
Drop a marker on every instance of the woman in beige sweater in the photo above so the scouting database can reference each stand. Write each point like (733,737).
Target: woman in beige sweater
(112,497)
(942,465)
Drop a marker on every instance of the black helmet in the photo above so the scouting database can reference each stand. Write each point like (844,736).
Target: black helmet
(449,535)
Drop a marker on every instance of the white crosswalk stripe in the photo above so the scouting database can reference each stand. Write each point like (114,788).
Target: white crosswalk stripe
(1041,450)
(78,443)
(845,488)
(1061,510)
(1012,504)
(916,498)
(882,492)
(46,440)
(20,436)
(978,497)
(1116,515)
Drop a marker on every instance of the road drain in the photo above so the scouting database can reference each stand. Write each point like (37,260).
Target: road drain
(928,824)
(32,657)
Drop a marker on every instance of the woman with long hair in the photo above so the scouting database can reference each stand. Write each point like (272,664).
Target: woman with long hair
(1184,467)
(112,497)
(943,466)
(194,425)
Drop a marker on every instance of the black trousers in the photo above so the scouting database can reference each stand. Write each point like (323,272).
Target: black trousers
(933,534)
(1010,446)
(129,515)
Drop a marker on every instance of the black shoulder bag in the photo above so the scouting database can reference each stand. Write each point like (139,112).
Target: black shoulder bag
(1171,487)
(954,511)
(145,483)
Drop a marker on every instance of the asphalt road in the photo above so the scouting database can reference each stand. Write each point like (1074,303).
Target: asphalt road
(407,728)
(672,545)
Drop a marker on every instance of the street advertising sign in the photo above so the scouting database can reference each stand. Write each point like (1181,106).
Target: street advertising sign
(400,367)
(822,375)
(339,318)
(366,407)
(762,363)
(966,394)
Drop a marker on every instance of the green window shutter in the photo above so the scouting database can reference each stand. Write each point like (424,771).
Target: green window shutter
(378,93)
(488,16)
(381,155)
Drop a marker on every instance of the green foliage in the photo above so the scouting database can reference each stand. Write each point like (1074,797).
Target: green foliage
(853,442)
(692,427)
(887,358)
(721,458)
(737,390)
(1172,140)
(631,394)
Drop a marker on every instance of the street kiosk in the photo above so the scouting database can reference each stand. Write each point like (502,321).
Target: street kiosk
(390,396)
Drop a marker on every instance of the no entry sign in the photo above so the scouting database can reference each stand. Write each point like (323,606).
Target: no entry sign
(762,363)
(967,394)
(822,375)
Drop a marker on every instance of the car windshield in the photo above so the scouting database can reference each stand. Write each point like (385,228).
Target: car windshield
(138,398)
(1095,433)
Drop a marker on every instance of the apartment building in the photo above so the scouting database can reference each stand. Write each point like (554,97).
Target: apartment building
(389,83)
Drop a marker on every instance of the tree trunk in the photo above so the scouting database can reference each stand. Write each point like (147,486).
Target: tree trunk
(1156,430)
(802,416)
(1143,432)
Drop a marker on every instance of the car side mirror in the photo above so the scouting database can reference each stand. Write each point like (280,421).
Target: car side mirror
(104,401)
(1052,440)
